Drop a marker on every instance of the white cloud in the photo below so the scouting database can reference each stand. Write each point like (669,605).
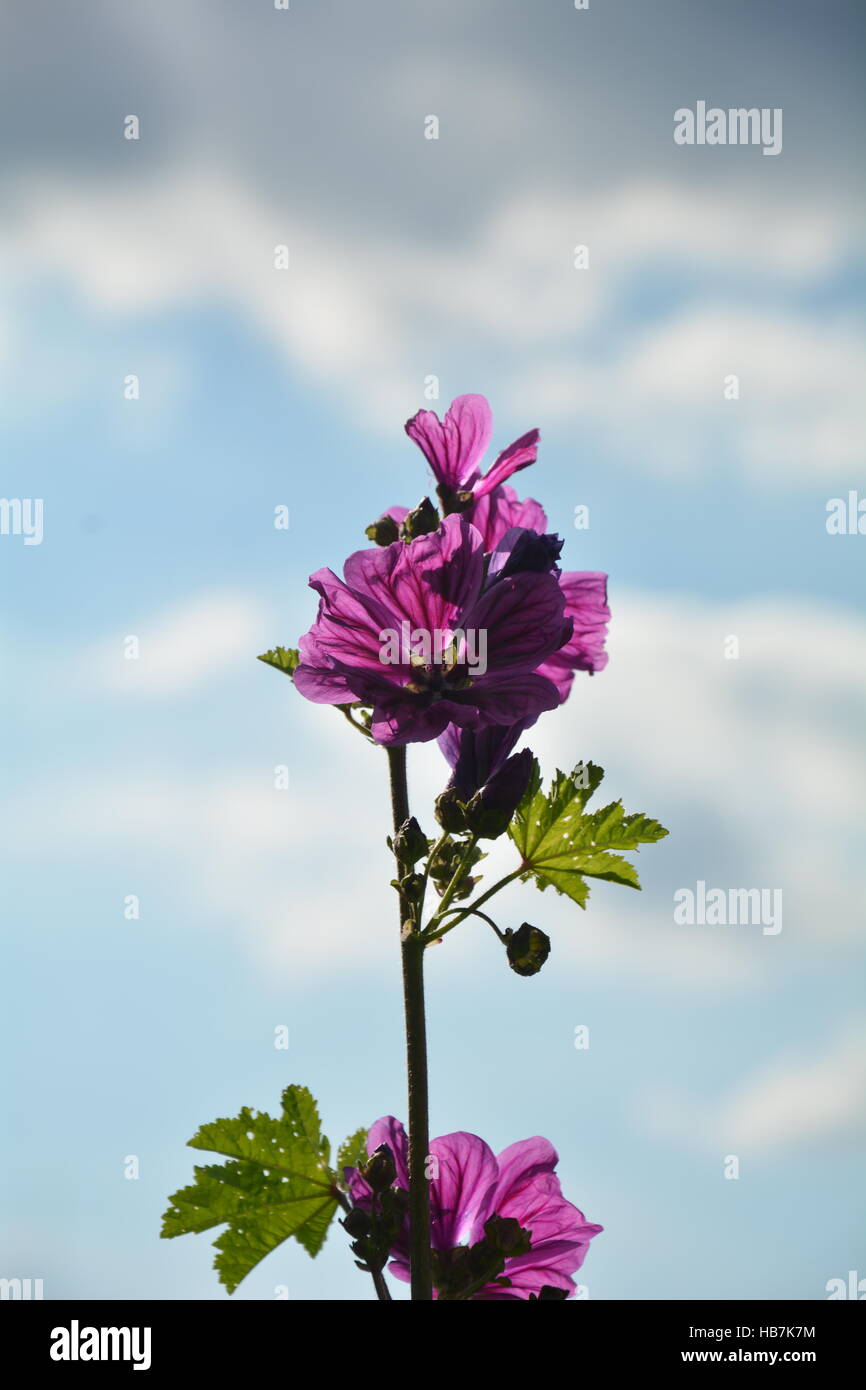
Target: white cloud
(790,1101)
(797,416)
(766,751)
(305,886)
(178,650)
(372,315)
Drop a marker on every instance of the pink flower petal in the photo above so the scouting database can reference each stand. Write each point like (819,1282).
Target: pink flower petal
(453,446)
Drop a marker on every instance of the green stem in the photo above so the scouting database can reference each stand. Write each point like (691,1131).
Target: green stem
(412,951)
(436,932)
(473,912)
(456,879)
(383,1293)
(431,859)
(346,711)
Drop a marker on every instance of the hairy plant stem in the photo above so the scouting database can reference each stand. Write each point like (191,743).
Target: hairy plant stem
(412,951)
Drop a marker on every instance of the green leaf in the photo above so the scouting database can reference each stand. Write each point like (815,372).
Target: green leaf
(562,845)
(285,659)
(352,1152)
(276,1184)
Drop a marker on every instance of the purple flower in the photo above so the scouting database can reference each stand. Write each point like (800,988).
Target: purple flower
(455,446)
(470,1185)
(397,634)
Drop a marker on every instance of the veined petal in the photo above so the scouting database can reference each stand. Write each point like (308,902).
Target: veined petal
(520,454)
(425,583)
(347,625)
(586,605)
(453,446)
(460,1192)
(402,719)
(520,1163)
(494,513)
(524,618)
(511,698)
(560,1231)
(322,685)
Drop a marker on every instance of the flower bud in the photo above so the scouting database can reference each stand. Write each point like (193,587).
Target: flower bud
(410,842)
(423,519)
(489,813)
(522,551)
(380,1169)
(527,949)
(411,886)
(358,1222)
(450,811)
(384,531)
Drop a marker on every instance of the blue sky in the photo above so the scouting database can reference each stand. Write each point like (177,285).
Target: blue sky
(258,388)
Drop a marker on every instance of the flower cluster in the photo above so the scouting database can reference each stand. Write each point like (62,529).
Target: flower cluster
(459,624)
(489,566)
(500,1227)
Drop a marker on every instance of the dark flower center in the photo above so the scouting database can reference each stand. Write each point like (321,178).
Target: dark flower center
(437,680)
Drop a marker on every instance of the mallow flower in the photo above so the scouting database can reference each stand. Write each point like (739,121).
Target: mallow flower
(500,1228)
(423,634)
(454,447)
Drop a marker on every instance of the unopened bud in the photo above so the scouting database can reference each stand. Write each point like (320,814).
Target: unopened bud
(421,520)
(527,949)
(489,813)
(380,1169)
(450,811)
(358,1222)
(410,842)
(384,531)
